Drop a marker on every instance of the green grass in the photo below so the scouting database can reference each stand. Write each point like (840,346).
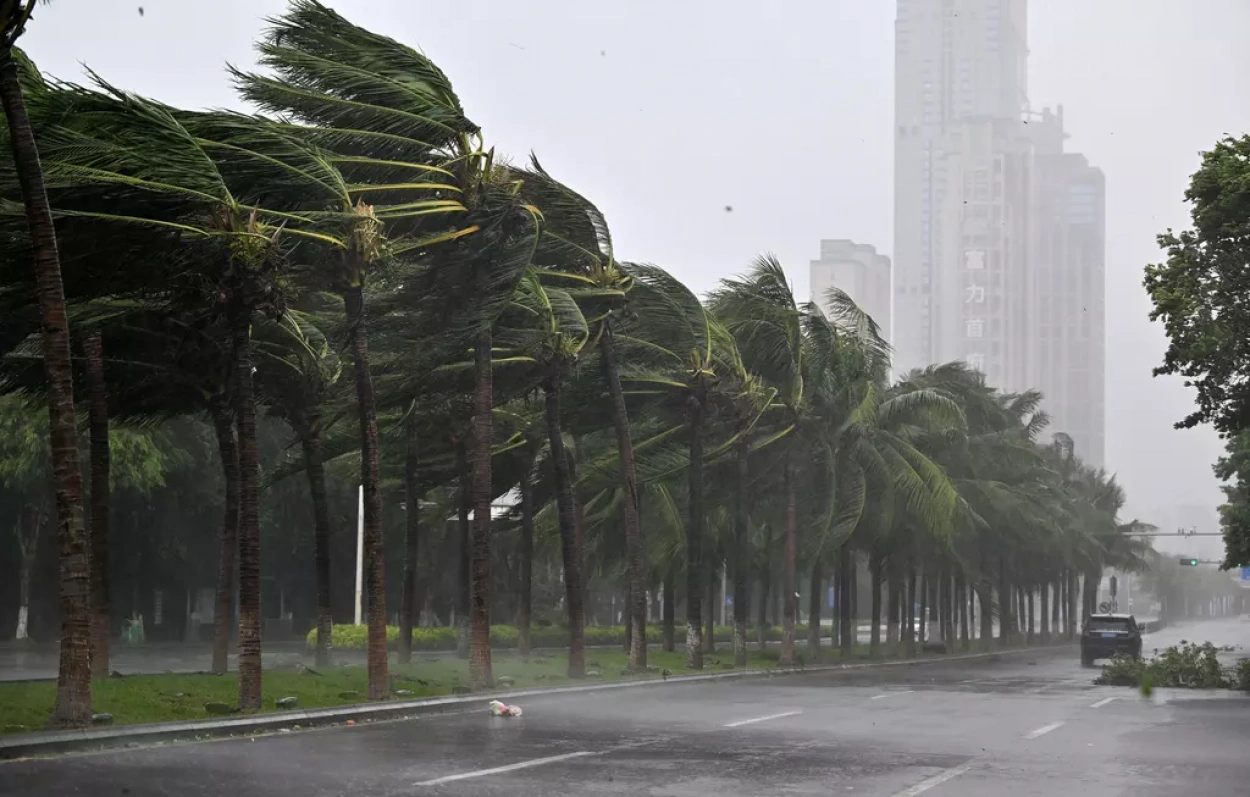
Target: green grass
(26,706)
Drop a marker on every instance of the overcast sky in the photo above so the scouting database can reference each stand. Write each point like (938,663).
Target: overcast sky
(666,111)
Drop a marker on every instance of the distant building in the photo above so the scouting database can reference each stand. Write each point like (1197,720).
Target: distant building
(999,234)
(979,286)
(960,89)
(1067,360)
(859,272)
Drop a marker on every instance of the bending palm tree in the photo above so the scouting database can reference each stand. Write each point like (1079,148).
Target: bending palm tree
(73,694)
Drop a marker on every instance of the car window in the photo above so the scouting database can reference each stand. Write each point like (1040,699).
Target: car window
(1110,624)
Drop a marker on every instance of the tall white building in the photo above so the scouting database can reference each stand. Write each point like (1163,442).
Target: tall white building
(960,92)
(1068,266)
(859,272)
(999,242)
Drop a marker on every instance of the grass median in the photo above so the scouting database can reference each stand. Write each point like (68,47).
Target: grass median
(25,706)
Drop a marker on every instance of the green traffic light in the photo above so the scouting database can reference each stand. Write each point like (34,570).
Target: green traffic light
(1193,562)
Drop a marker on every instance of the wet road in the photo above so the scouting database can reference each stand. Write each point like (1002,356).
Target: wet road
(1026,724)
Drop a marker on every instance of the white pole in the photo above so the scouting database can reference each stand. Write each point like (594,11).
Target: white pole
(360,550)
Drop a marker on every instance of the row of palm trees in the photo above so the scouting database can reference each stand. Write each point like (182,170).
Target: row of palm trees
(211,263)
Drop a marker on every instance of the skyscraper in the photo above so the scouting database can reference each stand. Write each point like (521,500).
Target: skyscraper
(960,92)
(998,232)
(1068,265)
(858,271)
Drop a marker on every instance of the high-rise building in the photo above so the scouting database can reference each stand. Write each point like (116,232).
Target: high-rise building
(960,92)
(859,272)
(999,243)
(1068,267)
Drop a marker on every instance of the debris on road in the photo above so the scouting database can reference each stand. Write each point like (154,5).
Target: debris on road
(499,709)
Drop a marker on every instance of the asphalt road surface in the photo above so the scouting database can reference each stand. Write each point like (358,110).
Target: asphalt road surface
(1026,724)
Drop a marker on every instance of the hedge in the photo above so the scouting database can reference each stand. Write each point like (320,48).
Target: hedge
(354,637)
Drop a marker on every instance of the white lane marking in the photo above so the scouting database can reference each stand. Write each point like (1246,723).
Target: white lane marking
(892,694)
(1042,731)
(938,779)
(740,723)
(1103,702)
(478,773)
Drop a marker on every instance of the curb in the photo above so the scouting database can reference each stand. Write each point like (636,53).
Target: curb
(26,745)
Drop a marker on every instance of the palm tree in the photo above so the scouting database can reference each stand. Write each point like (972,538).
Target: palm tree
(296,371)
(394,122)
(577,246)
(681,355)
(73,701)
(760,311)
(98,421)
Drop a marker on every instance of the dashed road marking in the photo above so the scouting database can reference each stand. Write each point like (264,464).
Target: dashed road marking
(740,723)
(1103,702)
(478,773)
(1042,731)
(892,694)
(938,779)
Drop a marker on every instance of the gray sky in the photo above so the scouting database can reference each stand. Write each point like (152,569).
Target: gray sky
(665,111)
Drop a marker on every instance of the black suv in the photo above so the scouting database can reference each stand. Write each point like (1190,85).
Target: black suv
(1105,635)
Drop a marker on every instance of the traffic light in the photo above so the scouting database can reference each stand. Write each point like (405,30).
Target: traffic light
(1190,562)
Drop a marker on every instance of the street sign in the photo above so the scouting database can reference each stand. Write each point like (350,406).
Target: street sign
(1245,574)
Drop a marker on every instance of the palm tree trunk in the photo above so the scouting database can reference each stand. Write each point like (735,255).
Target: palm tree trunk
(574,454)
(924,608)
(965,609)
(574,593)
(987,616)
(1074,598)
(894,592)
(628,616)
(464,505)
(761,613)
(874,639)
(813,613)
(847,631)
(73,684)
(1004,604)
(790,603)
(98,419)
(29,526)
(694,541)
(412,533)
(709,613)
(945,605)
(481,675)
(1044,587)
(1054,608)
(668,613)
(909,614)
(742,557)
(370,480)
(249,512)
(524,608)
(310,438)
(635,566)
(223,424)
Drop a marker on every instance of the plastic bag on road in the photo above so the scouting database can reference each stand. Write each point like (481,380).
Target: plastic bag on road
(498,709)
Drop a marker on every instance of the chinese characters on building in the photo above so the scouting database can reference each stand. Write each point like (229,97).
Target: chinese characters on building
(974,307)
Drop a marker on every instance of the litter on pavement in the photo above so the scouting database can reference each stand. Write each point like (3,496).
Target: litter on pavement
(498,709)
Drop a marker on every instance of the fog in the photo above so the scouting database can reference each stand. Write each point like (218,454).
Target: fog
(666,113)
